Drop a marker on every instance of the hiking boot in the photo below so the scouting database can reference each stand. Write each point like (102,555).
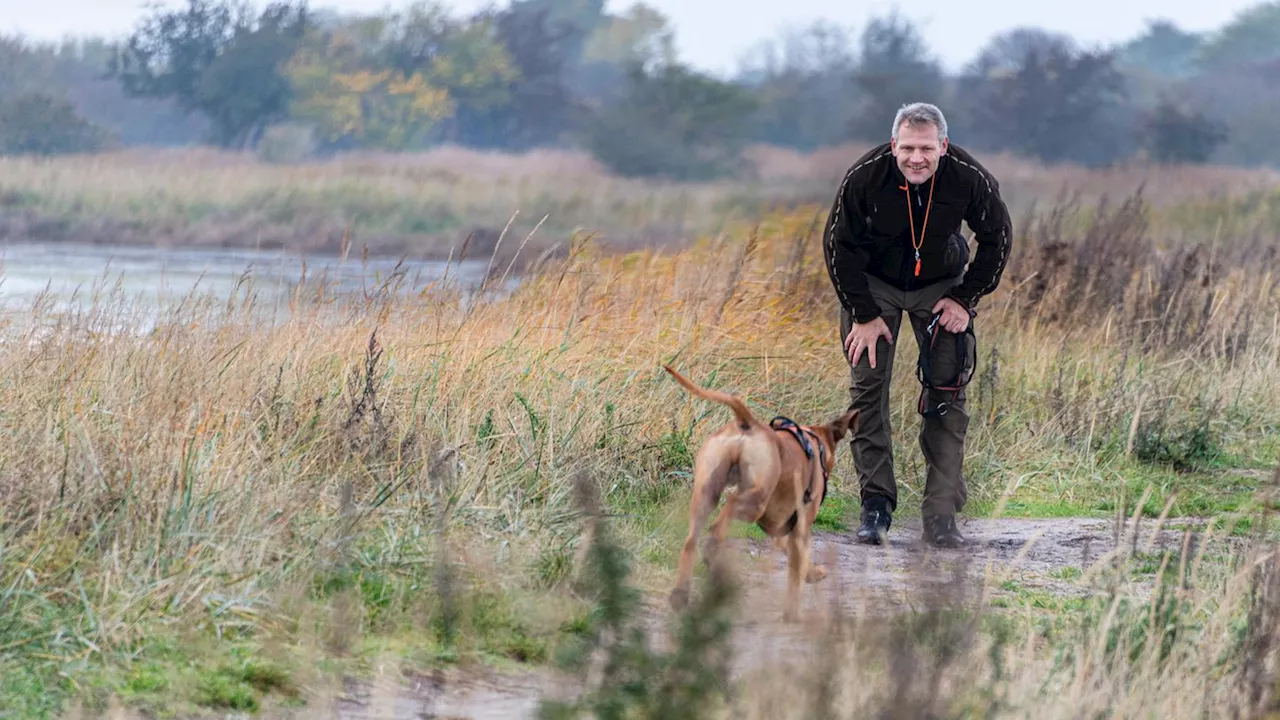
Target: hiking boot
(876,519)
(940,531)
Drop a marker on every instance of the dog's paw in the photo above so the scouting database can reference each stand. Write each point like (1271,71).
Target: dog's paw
(679,598)
(790,615)
(817,573)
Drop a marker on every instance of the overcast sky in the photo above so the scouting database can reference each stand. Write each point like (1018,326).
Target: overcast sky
(713,34)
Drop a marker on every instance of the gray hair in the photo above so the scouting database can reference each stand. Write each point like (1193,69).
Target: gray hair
(920,114)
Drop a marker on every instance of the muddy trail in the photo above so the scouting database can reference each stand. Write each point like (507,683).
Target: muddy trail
(863,581)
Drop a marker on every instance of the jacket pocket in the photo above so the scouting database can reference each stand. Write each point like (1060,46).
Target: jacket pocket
(955,255)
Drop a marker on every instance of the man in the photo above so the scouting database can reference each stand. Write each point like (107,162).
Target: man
(893,245)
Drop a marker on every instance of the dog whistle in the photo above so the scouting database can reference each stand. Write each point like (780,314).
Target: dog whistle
(917,265)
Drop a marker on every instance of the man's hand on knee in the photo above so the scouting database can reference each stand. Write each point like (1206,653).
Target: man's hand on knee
(864,336)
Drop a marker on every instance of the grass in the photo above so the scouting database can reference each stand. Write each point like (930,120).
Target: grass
(422,206)
(461,202)
(219,511)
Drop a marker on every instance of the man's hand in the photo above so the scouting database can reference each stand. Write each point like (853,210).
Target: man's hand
(955,318)
(864,336)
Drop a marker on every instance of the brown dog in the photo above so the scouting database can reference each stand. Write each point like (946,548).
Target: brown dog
(776,483)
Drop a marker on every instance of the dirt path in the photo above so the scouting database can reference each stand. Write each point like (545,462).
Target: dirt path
(864,580)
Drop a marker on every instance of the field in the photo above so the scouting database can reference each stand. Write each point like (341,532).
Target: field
(428,205)
(382,501)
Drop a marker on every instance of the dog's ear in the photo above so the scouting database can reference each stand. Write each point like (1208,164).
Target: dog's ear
(843,425)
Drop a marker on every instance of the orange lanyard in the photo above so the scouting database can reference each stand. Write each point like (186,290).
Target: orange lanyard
(911,217)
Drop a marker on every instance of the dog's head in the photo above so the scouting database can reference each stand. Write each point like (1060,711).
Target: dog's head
(833,432)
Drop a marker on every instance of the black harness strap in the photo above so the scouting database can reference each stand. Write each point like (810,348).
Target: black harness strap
(802,437)
(966,349)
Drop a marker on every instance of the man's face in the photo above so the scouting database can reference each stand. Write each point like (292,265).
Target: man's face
(917,150)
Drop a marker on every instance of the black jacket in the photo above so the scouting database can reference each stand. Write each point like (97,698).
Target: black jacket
(868,230)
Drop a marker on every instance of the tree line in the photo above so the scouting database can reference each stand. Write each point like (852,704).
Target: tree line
(292,81)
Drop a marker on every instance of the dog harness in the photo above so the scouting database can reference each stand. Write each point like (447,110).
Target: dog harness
(802,436)
(966,349)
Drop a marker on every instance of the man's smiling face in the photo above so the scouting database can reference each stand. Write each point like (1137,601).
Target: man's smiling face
(917,150)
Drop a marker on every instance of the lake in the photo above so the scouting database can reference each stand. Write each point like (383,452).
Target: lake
(67,275)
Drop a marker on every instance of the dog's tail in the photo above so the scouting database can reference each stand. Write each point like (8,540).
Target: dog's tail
(745,419)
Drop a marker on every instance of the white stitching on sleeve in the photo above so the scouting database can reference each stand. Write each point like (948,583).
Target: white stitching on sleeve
(835,218)
(1004,244)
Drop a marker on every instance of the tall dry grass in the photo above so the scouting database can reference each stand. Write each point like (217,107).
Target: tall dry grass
(428,204)
(223,480)
(424,205)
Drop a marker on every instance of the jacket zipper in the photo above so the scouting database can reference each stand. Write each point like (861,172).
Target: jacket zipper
(912,283)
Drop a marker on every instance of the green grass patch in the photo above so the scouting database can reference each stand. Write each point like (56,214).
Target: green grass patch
(31,688)
(1059,489)
(836,514)
(1017,596)
(241,685)
(1032,508)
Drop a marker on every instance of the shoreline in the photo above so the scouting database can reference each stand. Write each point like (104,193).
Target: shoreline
(326,240)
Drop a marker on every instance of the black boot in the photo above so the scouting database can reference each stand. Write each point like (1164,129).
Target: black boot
(876,519)
(940,531)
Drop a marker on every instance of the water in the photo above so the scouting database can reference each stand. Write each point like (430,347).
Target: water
(66,276)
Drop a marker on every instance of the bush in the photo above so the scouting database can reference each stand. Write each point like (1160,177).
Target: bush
(1178,136)
(39,124)
(287,143)
(672,123)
